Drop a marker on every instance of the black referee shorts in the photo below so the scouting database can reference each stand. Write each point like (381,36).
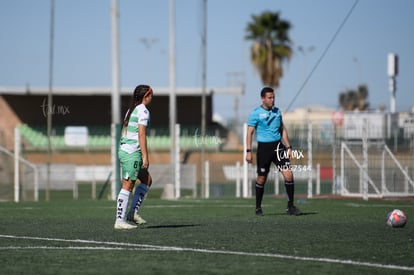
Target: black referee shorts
(268,152)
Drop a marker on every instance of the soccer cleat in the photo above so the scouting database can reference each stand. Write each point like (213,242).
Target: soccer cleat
(259,211)
(124,225)
(136,219)
(292,210)
(139,220)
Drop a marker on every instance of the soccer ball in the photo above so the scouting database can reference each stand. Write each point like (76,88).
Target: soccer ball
(396,218)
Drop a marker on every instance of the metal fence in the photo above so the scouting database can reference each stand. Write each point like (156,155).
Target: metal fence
(328,159)
(384,166)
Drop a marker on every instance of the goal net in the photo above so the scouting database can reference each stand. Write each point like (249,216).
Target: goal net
(374,171)
(20,187)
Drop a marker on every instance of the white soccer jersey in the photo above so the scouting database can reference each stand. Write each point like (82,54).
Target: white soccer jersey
(129,136)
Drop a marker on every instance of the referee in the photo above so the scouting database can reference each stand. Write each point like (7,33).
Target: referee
(272,146)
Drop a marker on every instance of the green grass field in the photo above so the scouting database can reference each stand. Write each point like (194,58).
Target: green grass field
(206,237)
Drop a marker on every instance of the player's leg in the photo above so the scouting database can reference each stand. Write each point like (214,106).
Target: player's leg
(139,196)
(289,185)
(264,159)
(282,163)
(129,175)
(122,205)
(290,190)
(259,187)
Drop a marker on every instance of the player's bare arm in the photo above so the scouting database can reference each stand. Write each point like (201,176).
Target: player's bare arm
(142,136)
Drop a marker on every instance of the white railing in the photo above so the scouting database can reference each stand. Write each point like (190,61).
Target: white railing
(359,182)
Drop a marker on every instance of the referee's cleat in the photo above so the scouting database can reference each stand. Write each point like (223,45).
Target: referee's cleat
(259,211)
(292,210)
(124,225)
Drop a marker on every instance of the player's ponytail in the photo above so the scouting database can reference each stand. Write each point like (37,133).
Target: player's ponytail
(139,93)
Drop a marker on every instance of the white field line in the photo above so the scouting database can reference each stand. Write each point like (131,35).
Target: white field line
(348,204)
(153,206)
(131,246)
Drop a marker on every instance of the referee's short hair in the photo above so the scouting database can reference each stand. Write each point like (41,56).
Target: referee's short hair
(266,90)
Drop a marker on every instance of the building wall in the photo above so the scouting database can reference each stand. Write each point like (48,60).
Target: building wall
(8,121)
(96,109)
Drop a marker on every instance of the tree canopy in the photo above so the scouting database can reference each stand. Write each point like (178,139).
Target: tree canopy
(271,45)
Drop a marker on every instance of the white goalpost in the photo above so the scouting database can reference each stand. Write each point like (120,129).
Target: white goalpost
(369,174)
(21,178)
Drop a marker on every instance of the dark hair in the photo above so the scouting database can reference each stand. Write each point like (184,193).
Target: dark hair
(266,90)
(139,93)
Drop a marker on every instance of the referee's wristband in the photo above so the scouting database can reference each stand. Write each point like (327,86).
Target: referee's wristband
(248,150)
(289,147)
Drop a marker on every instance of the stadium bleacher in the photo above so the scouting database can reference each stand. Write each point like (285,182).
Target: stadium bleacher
(100,138)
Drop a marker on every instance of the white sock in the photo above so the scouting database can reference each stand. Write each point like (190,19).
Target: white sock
(122,204)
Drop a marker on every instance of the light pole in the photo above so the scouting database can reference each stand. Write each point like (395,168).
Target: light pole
(309,122)
(115,97)
(172,94)
(392,73)
(50,99)
(204,192)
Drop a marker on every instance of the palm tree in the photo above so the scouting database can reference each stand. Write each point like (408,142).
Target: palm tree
(362,97)
(352,100)
(271,45)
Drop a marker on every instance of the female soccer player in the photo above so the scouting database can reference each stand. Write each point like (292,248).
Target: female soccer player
(133,155)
